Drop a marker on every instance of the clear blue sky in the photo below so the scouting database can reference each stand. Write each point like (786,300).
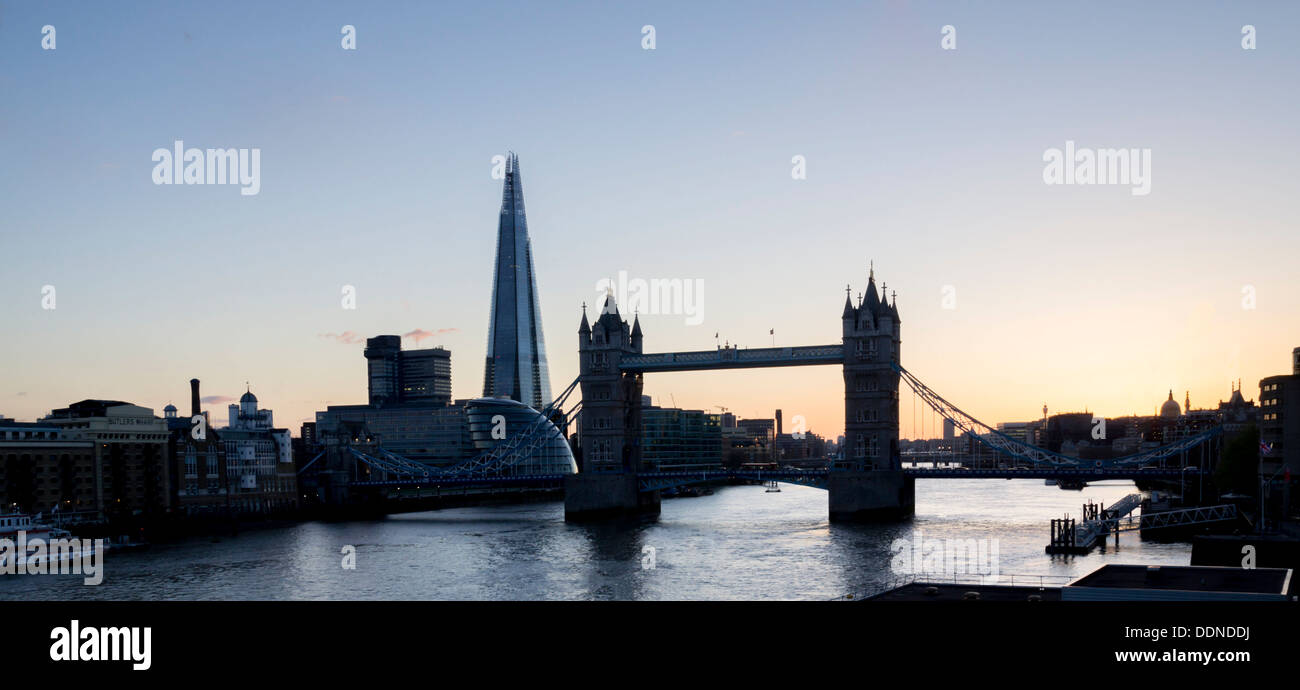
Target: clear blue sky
(671,163)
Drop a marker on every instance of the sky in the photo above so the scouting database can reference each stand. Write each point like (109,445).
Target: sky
(673,163)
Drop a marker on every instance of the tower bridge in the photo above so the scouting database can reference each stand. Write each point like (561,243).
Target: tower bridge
(868,484)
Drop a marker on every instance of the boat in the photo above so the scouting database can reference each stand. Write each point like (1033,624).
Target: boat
(11,524)
(124,543)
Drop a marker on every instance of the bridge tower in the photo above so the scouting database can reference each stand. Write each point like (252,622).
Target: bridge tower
(871,345)
(609,425)
(869,483)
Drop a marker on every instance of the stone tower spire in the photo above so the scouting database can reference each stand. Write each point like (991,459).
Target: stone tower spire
(871,337)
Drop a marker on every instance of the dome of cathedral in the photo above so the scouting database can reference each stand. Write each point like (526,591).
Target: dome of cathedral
(1170,410)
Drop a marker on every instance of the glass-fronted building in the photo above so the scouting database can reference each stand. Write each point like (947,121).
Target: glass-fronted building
(497,420)
(433,435)
(516,354)
(680,438)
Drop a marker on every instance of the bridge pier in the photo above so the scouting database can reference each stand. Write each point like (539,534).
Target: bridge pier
(870,495)
(599,496)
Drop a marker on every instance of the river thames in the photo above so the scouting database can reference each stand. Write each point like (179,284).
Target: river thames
(741,542)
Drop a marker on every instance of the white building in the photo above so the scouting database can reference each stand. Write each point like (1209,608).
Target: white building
(259,458)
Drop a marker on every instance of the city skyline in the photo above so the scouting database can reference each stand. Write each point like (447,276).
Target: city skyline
(848,301)
(1077,297)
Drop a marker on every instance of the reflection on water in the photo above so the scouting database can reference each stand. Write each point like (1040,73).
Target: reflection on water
(738,543)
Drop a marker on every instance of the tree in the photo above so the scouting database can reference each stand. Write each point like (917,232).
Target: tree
(734,459)
(1238,468)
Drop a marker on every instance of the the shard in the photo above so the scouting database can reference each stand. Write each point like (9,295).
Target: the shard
(516,354)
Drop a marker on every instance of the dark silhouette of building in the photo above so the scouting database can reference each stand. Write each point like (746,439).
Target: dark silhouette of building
(673,437)
(1279,421)
(400,415)
(197,460)
(604,423)
(406,376)
(259,460)
(130,473)
(872,341)
(43,469)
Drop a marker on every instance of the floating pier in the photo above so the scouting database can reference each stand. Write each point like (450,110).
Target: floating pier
(1100,522)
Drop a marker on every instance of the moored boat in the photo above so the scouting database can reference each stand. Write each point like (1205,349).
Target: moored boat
(28,542)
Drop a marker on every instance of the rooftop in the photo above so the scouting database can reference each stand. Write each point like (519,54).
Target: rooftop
(923,591)
(1185,578)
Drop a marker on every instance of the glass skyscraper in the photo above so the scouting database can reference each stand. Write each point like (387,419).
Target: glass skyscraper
(516,355)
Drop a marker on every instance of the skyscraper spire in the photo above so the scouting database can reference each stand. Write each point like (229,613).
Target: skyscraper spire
(516,353)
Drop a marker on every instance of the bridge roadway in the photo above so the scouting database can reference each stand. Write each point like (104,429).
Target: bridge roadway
(650,481)
(733,358)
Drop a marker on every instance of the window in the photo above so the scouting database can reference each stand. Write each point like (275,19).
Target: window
(601,451)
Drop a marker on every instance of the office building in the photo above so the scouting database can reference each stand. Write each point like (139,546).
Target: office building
(401,416)
(676,438)
(516,354)
(434,435)
(760,430)
(1279,421)
(395,375)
